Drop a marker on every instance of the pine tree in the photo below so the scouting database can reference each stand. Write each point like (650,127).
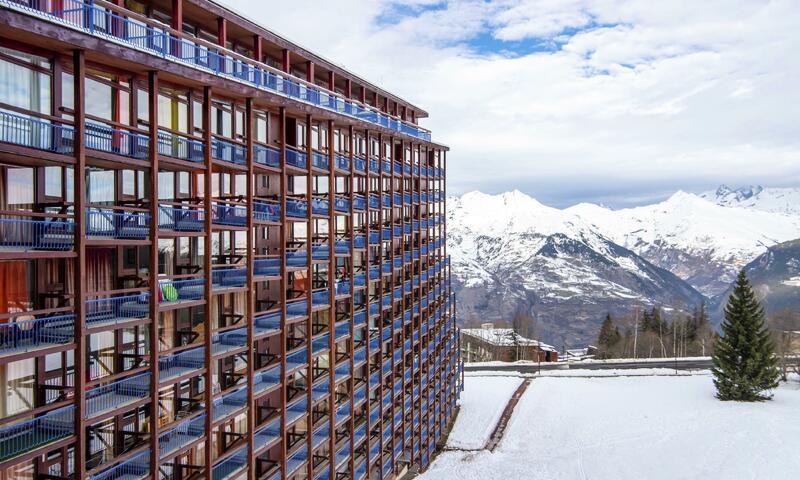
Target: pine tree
(745,366)
(608,338)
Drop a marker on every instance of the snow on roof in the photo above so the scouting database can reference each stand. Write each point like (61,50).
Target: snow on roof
(503,337)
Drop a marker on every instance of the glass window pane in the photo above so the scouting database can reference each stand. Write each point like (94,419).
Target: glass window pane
(52,182)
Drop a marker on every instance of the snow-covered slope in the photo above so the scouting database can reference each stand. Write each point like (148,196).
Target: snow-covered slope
(700,241)
(568,267)
(510,253)
(756,197)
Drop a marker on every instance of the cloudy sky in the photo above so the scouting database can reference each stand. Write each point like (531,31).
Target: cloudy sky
(614,101)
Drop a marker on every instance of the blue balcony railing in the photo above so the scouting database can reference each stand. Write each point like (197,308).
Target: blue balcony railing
(182,148)
(231,466)
(31,434)
(96,20)
(228,151)
(120,142)
(182,435)
(108,223)
(320,206)
(117,394)
(35,133)
(28,335)
(53,235)
(359,164)
(181,219)
(320,160)
(296,208)
(342,162)
(341,204)
(267,267)
(109,310)
(134,468)
(271,157)
(229,404)
(228,215)
(266,211)
(296,159)
(267,323)
(181,364)
(188,290)
(229,278)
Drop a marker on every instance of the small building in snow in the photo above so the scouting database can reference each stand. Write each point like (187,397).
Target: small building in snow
(488,344)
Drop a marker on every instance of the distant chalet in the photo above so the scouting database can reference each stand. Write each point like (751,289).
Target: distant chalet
(488,344)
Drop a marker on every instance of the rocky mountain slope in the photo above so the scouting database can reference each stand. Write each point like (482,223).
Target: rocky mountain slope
(569,267)
(756,197)
(775,276)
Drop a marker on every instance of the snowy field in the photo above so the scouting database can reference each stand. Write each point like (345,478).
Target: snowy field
(483,407)
(643,427)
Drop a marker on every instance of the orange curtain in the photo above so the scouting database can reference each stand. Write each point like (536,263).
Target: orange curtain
(14,287)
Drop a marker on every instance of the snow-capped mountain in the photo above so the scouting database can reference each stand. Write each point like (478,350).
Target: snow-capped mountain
(569,267)
(701,242)
(756,197)
(511,253)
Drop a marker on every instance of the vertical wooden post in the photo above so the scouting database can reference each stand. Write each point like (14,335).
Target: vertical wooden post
(222,32)
(310,71)
(332,296)
(177,15)
(258,49)
(284,285)
(152,108)
(81,339)
(208,271)
(310,231)
(287,61)
(251,410)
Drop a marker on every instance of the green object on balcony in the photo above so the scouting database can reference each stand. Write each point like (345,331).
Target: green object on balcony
(170,293)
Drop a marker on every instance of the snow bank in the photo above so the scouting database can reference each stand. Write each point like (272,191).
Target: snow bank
(635,428)
(482,403)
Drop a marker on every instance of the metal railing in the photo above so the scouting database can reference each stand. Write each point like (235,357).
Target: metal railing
(31,434)
(268,156)
(180,147)
(181,290)
(181,219)
(229,277)
(231,465)
(228,215)
(116,141)
(109,223)
(27,335)
(114,395)
(35,133)
(181,363)
(115,309)
(182,435)
(21,234)
(134,468)
(266,211)
(228,151)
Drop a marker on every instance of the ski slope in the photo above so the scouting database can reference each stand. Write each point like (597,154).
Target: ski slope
(641,427)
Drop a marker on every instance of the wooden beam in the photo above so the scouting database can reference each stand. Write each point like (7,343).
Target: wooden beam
(81,339)
(258,48)
(177,14)
(250,312)
(222,31)
(287,60)
(152,107)
(310,72)
(207,270)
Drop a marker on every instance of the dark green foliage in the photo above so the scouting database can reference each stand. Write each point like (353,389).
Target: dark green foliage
(608,338)
(745,365)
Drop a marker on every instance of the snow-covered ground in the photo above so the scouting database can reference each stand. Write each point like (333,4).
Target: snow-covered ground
(645,427)
(481,410)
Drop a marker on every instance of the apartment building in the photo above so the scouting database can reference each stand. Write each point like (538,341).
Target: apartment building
(221,255)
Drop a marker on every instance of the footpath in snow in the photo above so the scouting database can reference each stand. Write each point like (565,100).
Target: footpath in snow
(626,427)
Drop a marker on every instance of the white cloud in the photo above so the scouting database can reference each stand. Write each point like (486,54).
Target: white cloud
(641,97)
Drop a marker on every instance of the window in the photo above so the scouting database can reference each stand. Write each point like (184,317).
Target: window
(100,186)
(221,120)
(25,81)
(173,111)
(19,187)
(260,127)
(52,182)
(166,185)
(301,135)
(129,183)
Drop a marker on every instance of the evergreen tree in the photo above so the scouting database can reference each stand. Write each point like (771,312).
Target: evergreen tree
(745,366)
(608,338)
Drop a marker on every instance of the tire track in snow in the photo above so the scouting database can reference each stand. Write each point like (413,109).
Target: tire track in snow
(500,428)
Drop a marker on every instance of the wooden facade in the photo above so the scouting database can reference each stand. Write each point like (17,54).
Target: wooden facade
(220,255)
